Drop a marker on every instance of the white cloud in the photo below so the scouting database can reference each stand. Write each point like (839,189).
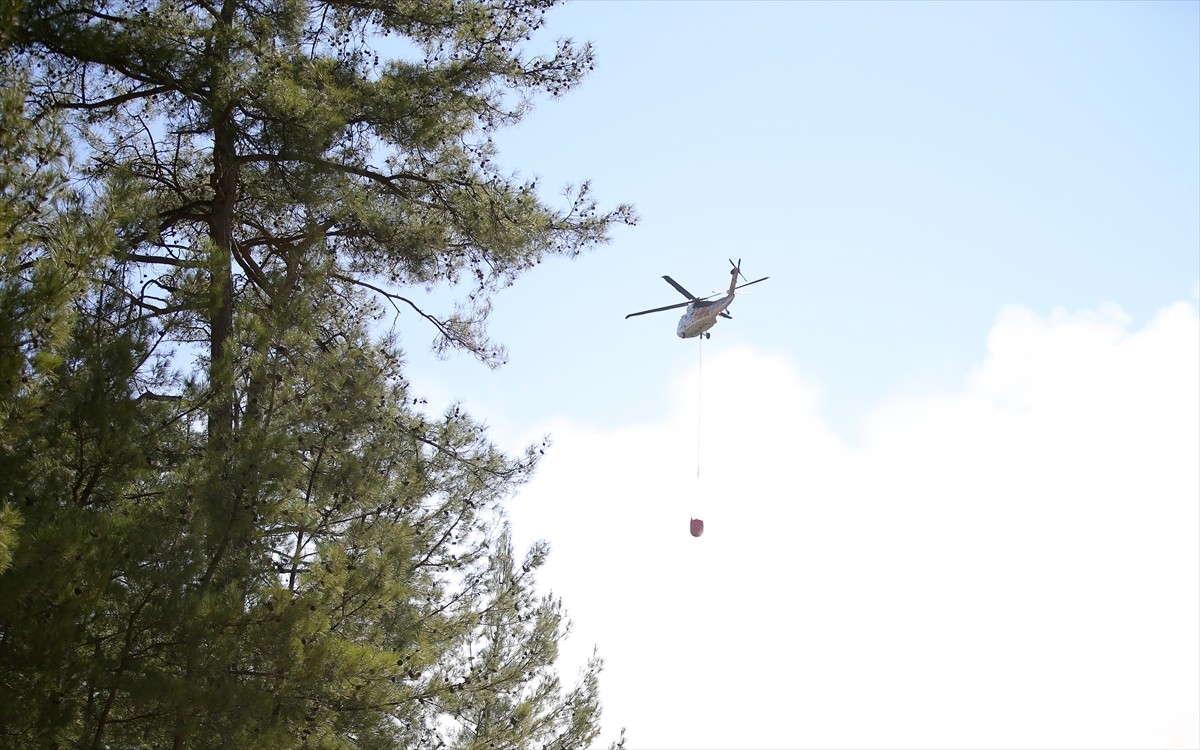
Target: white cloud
(1013,564)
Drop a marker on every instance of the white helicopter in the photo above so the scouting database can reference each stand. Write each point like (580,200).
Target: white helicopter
(702,313)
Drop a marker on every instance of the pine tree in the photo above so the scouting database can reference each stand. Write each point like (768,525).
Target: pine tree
(69,432)
(226,520)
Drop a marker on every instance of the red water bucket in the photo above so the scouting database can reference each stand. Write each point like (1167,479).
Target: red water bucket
(697,527)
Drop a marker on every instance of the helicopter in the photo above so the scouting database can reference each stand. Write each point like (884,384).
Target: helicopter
(702,313)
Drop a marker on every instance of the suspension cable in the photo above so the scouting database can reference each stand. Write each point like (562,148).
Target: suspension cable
(699,397)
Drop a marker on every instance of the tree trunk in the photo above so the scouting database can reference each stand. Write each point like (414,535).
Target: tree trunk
(220,380)
(224,181)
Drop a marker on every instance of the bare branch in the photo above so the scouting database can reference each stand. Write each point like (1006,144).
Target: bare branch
(158,259)
(116,100)
(387,180)
(150,396)
(393,298)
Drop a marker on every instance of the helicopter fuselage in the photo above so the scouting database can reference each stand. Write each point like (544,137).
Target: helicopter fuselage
(700,316)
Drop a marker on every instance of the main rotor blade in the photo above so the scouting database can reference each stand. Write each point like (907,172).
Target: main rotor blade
(748,283)
(679,289)
(658,309)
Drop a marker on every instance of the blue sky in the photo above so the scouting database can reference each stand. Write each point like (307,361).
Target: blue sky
(899,170)
(982,227)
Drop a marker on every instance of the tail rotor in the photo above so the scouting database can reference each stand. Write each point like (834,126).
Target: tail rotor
(737,268)
(737,272)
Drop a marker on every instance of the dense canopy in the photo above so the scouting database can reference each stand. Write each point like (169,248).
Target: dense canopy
(224,519)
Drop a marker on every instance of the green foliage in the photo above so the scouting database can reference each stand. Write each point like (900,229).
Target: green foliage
(276,131)
(224,522)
